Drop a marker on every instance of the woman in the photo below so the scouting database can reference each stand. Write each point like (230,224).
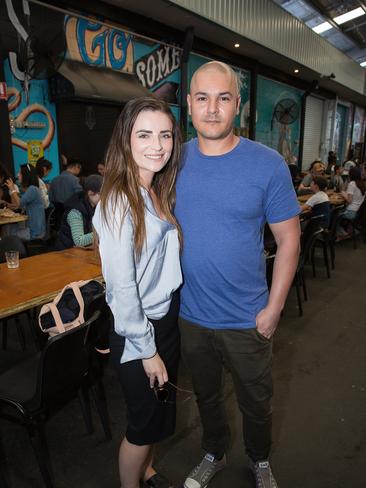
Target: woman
(43,168)
(139,247)
(76,226)
(5,198)
(30,201)
(354,196)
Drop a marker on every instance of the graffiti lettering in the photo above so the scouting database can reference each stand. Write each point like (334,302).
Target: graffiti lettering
(107,47)
(157,65)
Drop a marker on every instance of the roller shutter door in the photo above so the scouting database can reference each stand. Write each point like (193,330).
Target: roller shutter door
(312,131)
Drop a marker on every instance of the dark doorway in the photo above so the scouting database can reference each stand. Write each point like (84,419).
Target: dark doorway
(85,130)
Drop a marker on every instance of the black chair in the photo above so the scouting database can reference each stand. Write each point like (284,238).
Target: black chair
(329,235)
(38,246)
(32,391)
(359,225)
(13,243)
(59,212)
(310,232)
(97,339)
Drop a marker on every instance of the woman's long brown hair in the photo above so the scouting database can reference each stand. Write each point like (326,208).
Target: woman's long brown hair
(121,178)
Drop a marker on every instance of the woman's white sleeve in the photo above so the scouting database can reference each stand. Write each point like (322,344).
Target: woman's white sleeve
(116,249)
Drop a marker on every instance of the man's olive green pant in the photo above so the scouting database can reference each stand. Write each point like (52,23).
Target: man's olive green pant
(248,356)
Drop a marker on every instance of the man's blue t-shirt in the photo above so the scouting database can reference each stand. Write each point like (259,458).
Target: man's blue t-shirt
(222,205)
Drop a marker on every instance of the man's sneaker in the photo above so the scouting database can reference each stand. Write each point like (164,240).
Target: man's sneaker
(201,475)
(263,474)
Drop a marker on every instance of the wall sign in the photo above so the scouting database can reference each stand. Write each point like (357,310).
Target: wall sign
(157,65)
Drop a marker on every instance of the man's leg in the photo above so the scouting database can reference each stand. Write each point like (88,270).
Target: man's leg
(206,366)
(249,357)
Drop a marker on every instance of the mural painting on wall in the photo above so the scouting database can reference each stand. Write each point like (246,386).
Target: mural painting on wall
(359,126)
(31,115)
(31,121)
(278,118)
(340,132)
(98,45)
(242,119)
(157,66)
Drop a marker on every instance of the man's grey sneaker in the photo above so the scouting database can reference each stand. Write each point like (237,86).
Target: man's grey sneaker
(263,474)
(201,475)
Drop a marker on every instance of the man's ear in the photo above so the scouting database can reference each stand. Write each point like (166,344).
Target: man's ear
(189,102)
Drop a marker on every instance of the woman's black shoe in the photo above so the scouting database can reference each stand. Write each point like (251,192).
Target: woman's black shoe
(158,481)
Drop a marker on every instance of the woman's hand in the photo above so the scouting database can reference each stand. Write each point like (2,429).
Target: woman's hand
(10,184)
(155,370)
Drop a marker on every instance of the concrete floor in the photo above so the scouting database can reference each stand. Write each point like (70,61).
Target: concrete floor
(319,404)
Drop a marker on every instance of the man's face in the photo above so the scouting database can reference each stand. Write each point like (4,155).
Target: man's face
(318,169)
(213,104)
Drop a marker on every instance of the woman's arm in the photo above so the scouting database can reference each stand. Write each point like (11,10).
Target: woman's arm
(14,194)
(75,221)
(117,251)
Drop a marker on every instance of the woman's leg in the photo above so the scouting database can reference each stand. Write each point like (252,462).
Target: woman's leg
(134,464)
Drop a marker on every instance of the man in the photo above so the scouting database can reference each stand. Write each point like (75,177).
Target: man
(317,168)
(226,191)
(67,183)
(63,187)
(318,204)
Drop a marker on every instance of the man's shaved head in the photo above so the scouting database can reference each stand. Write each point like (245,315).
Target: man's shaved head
(218,67)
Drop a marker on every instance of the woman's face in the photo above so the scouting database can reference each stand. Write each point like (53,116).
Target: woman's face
(151,143)
(93,198)
(19,176)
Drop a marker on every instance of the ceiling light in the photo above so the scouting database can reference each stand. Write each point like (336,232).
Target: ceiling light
(363,64)
(237,45)
(322,27)
(296,70)
(352,14)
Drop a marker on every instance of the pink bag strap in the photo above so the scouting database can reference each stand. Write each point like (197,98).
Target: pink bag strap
(57,318)
(52,306)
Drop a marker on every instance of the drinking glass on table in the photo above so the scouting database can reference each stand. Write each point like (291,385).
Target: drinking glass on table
(12,259)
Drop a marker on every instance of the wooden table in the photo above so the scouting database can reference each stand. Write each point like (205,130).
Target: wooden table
(334,198)
(13,220)
(39,278)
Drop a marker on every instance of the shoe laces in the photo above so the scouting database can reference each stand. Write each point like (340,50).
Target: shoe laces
(207,465)
(263,468)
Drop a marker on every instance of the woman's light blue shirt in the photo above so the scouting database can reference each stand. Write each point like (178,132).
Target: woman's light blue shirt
(138,289)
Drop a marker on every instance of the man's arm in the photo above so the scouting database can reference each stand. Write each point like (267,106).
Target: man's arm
(287,236)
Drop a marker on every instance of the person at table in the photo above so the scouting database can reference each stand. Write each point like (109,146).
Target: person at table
(101,168)
(63,187)
(43,168)
(5,197)
(317,168)
(76,226)
(318,203)
(336,180)
(332,162)
(354,196)
(139,245)
(67,183)
(31,201)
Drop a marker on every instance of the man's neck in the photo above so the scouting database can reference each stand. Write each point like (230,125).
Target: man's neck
(217,147)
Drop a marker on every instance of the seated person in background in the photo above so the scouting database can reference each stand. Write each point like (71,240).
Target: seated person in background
(347,165)
(332,162)
(76,226)
(354,196)
(318,203)
(5,197)
(66,184)
(43,167)
(101,168)
(317,168)
(294,170)
(336,181)
(31,201)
